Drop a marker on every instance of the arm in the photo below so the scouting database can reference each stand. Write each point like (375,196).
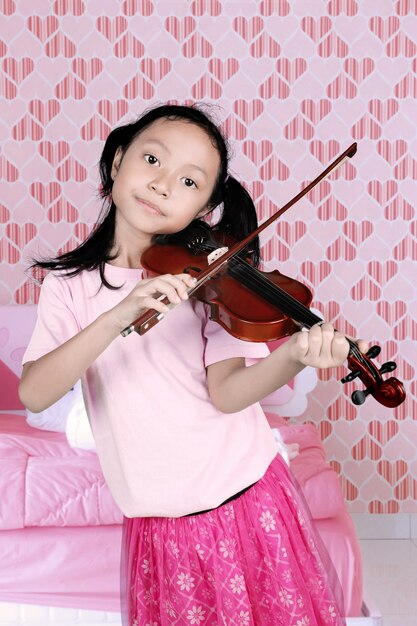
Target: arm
(233,386)
(48,378)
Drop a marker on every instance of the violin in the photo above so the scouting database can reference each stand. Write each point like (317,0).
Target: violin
(254,305)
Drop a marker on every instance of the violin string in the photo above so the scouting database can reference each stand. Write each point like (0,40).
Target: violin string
(306,313)
(297,309)
(253,277)
(265,286)
(306,316)
(294,307)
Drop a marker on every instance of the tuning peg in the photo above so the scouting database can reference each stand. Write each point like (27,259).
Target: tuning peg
(389,366)
(359,397)
(350,377)
(373,352)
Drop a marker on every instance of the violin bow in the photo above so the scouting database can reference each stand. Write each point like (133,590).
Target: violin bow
(146,321)
(238,246)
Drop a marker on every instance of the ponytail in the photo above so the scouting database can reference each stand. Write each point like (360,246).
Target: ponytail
(238,219)
(239,216)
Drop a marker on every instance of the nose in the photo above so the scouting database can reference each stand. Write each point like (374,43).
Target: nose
(160,186)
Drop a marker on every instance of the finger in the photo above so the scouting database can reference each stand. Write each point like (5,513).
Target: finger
(362,345)
(340,348)
(320,336)
(189,280)
(188,284)
(157,287)
(173,287)
(334,346)
(301,343)
(182,283)
(150,302)
(328,335)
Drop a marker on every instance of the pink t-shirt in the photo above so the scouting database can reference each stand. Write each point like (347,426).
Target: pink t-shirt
(165,450)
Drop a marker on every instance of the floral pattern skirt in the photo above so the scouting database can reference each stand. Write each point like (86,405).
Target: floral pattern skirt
(255,561)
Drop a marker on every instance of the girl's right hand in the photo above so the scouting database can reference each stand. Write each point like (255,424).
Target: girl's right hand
(146,296)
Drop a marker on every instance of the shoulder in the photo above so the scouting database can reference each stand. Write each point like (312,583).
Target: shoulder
(60,287)
(55,280)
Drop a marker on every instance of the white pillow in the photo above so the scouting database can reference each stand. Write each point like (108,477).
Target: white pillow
(56,416)
(287,451)
(78,429)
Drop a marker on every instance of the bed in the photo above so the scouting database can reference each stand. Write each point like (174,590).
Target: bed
(60,531)
(58,521)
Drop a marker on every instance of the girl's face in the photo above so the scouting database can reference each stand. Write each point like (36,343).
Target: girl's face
(165,178)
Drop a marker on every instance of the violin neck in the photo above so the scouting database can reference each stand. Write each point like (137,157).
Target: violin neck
(254,280)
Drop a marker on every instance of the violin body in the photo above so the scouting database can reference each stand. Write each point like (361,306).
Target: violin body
(263,306)
(233,305)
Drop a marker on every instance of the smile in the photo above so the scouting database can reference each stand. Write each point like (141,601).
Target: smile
(152,208)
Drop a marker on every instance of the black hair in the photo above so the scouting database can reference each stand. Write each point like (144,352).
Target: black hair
(238,216)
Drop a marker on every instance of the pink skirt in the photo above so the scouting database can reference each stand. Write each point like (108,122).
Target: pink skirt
(254,561)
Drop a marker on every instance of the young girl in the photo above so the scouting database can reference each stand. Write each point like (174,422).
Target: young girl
(215,531)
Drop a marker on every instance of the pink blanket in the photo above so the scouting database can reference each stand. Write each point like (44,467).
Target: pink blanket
(44,482)
(318,481)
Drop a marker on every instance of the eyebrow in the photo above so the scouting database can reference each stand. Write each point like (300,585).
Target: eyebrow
(163,146)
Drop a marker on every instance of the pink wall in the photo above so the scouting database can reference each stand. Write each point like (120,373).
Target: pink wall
(296,83)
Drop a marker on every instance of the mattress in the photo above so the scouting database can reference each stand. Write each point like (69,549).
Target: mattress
(69,567)
(45,482)
(60,537)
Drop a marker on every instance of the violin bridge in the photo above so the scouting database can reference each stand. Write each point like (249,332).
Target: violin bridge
(216,254)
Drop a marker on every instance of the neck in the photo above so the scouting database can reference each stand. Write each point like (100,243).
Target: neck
(127,261)
(129,248)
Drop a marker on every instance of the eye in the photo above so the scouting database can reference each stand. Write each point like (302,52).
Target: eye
(151,159)
(188,182)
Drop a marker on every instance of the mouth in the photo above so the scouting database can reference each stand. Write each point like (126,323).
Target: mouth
(149,206)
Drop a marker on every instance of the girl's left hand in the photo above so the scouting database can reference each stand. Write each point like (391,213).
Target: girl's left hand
(322,346)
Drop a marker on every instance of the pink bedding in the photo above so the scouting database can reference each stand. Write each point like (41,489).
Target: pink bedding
(339,537)
(318,481)
(60,529)
(62,567)
(45,482)
(58,519)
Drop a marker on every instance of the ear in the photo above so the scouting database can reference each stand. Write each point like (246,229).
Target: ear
(204,211)
(116,163)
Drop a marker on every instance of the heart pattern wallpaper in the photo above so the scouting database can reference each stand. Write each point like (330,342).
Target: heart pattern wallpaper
(293,83)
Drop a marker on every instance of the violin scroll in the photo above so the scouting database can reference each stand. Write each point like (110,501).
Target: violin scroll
(388,392)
